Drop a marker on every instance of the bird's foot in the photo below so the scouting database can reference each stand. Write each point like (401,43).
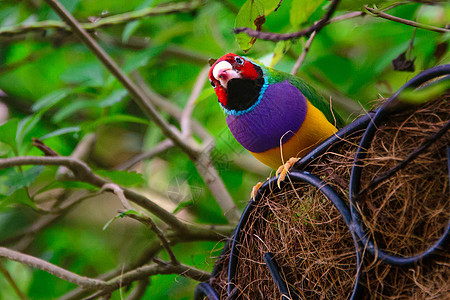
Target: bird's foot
(283,170)
(255,190)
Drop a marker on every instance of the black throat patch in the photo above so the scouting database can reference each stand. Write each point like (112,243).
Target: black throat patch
(243,93)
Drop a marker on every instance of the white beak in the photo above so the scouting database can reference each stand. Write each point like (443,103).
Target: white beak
(224,72)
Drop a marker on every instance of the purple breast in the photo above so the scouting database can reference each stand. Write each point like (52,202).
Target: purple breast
(278,116)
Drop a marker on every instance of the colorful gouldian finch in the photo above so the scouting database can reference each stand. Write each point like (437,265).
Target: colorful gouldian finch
(274,115)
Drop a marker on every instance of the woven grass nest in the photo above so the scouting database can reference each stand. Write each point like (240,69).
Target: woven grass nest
(403,215)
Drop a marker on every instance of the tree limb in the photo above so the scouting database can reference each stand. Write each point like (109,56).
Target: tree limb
(305,51)
(150,270)
(159,148)
(137,95)
(153,227)
(275,37)
(185,121)
(381,14)
(191,149)
(84,173)
(11,281)
(82,281)
(103,22)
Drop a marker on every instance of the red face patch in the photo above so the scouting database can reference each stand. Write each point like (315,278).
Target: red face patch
(244,67)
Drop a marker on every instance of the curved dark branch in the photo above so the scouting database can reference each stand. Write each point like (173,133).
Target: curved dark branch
(275,37)
(378,13)
(84,173)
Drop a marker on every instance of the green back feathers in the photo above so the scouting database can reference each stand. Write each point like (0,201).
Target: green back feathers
(274,76)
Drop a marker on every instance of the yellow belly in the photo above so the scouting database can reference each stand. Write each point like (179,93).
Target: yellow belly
(314,130)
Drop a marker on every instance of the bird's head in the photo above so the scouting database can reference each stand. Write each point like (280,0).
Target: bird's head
(237,81)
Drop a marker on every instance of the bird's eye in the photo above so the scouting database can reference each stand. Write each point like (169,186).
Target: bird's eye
(212,83)
(239,60)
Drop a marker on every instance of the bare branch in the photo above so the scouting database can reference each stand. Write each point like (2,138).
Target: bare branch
(139,291)
(161,147)
(11,281)
(169,107)
(305,51)
(379,13)
(185,121)
(137,95)
(275,37)
(111,285)
(212,179)
(153,227)
(150,270)
(195,233)
(191,149)
(84,173)
(85,282)
(118,192)
(203,162)
(103,22)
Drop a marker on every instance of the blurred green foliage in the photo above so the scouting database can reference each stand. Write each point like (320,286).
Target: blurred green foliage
(56,90)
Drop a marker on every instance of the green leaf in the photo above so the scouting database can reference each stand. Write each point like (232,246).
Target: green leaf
(121,215)
(68,184)
(426,93)
(129,29)
(20,196)
(183,205)
(123,178)
(17,180)
(142,57)
(88,74)
(71,108)
(251,15)
(60,131)
(205,94)
(269,6)
(301,10)
(114,98)
(89,126)
(26,125)
(8,132)
(49,100)
(280,49)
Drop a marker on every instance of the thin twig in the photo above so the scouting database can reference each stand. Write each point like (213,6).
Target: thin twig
(378,13)
(150,270)
(302,56)
(169,107)
(103,22)
(153,227)
(44,148)
(278,6)
(158,149)
(85,282)
(84,173)
(118,191)
(137,95)
(203,163)
(105,287)
(185,121)
(195,233)
(210,175)
(139,291)
(275,37)
(11,281)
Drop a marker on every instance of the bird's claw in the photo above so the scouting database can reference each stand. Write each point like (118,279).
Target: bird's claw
(255,189)
(283,170)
